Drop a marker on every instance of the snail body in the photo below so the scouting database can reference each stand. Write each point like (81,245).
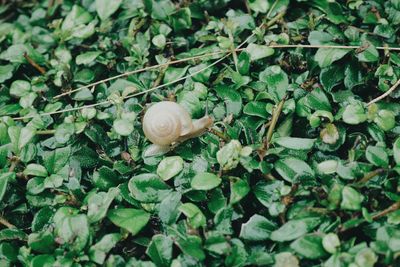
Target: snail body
(166,123)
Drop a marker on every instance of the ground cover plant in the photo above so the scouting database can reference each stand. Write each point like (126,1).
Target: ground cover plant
(300,167)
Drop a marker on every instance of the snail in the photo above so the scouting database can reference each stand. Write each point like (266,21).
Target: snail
(166,123)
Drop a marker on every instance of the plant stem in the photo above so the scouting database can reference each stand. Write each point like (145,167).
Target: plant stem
(45,132)
(219,134)
(140,24)
(388,92)
(386,211)
(275,19)
(160,76)
(330,46)
(34,64)
(274,120)
(6,223)
(368,177)
(14,164)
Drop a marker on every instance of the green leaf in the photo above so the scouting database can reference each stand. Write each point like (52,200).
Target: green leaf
(326,56)
(277,81)
(99,203)
(15,54)
(181,19)
(195,217)
(257,228)
(368,55)
(354,114)
(43,261)
(106,8)
(351,199)
(331,242)
(20,88)
(148,187)
(217,244)
(123,127)
(293,169)
(255,108)
(385,119)
(331,76)
(259,6)
(257,52)
(160,250)
(42,242)
(172,74)
(98,252)
(238,256)
(13,234)
(71,228)
(309,246)
(35,170)
(191,245)
(170,167)
(239,189)
(4,179)
(295,142)
(6,72)
(55,160)
(232,99)
(88,57)
(76,17)
(205,181)
(229,155)
(353,76)
(168,211)
(294,229)
(132,220)
(396,151)
(105,178)
(377,156)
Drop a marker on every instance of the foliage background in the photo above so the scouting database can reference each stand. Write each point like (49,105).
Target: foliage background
(301,167)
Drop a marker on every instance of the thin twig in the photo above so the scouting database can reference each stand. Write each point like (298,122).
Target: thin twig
(275,19)
(145,91)
(140,24)
(49,7)
(6,223)
(219,134)
(34,64)
(388,92)
(212,54)
(386,211)
(14,163)
(274,120)
(160,76)
(368,177)
(45,132)
(142,70)
(331,46)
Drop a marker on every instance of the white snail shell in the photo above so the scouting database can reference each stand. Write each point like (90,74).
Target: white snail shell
(164,122)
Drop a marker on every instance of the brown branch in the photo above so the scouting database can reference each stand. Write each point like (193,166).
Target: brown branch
(45,132)
(274,120)
(6,223)
(14,163)
(139,25)
(160,76)
(386,211)
(275,19)
(388,92)
(49,7)
(219,134)
(368,177)
(34,64)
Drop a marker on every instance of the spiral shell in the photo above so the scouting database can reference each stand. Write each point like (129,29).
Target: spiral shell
(165,122)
